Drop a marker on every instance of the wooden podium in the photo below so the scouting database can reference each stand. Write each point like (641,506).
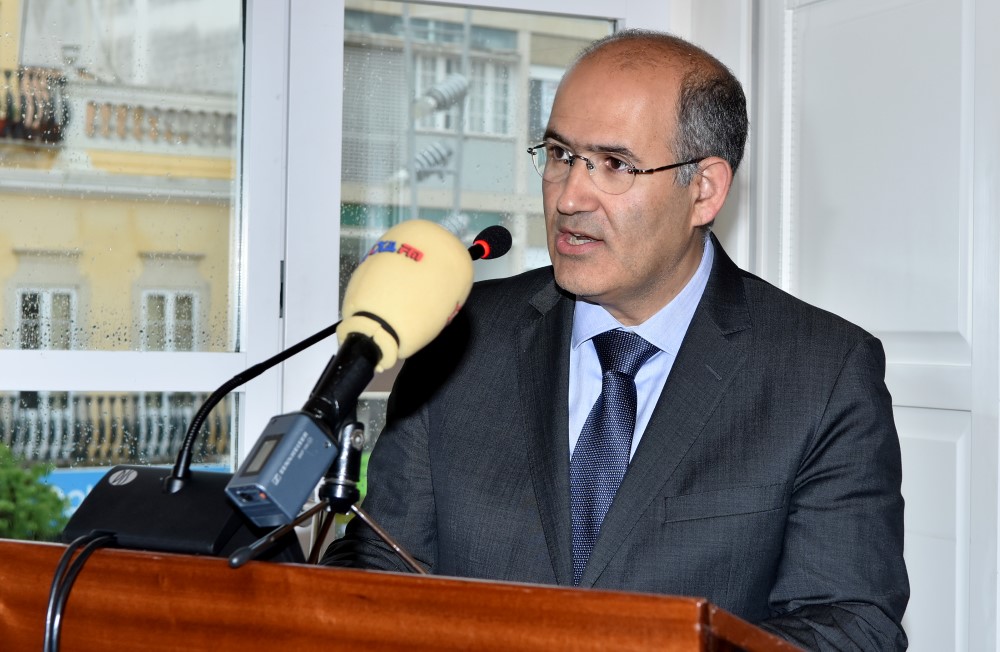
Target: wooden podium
(133,600)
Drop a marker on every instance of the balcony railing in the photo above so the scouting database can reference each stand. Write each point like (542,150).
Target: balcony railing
(105,429)
(41,106)
(153,121)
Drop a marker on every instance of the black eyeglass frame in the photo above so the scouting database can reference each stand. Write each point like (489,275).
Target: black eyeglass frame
(590,165)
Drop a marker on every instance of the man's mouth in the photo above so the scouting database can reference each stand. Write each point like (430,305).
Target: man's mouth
(577,239)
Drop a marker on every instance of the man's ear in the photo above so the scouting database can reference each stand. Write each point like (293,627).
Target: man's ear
(710,186)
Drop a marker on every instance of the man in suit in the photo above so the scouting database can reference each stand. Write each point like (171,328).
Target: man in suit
(763,471)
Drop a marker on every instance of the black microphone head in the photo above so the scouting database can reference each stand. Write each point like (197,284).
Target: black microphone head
(492,242)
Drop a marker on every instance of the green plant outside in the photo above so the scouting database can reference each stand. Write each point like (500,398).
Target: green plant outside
(30,509)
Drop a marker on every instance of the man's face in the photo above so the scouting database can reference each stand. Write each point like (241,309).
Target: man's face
(633,252)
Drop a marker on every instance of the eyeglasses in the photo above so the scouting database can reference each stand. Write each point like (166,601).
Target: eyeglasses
(610,172)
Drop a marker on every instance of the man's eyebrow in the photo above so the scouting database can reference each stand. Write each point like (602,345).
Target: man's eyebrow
(620,150)
(551,134)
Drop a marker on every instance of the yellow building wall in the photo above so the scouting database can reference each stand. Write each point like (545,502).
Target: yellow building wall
(10,33)
(110,236)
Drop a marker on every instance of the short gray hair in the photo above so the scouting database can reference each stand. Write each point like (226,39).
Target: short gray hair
(712,108)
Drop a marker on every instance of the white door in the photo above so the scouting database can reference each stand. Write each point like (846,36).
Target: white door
(877,155)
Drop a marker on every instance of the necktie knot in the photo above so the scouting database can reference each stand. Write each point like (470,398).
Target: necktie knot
(622,351)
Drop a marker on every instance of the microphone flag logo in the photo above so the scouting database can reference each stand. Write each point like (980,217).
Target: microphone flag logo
(389,246)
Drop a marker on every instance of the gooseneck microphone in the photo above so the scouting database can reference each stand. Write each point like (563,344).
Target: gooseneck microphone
(492,242)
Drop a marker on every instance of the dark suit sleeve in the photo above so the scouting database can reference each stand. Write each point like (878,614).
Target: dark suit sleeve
(841,582)
(399,498)
(400,494)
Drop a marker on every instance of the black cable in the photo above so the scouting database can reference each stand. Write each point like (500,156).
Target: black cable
(57,580)
(63,581)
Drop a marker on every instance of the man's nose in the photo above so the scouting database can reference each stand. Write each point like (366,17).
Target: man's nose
(578,192)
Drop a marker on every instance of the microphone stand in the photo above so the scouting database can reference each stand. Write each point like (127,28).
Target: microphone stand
(338,494)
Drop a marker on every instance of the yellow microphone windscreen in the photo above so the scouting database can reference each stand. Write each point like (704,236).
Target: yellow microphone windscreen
(413,281)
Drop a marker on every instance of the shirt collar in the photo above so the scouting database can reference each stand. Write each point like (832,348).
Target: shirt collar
(666,328)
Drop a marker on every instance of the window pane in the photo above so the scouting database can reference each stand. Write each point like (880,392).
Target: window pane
(457,153)
(30,326)
(183,322)
(62,320)
(119,225)
(100,429)
(118,152)
(156,322)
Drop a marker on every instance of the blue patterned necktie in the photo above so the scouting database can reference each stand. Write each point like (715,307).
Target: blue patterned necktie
(602,452)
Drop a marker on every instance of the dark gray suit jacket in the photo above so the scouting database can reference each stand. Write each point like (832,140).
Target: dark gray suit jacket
(767,481)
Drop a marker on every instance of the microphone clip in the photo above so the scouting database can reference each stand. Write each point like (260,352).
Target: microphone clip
(338,494)
(340,486)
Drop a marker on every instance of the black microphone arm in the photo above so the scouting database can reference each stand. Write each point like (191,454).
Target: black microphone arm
(147,508)
(182,466)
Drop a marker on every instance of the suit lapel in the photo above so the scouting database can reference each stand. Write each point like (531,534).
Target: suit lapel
(710,355)
(543,368)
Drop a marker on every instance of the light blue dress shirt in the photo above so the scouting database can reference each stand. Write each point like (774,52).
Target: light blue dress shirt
(665,329)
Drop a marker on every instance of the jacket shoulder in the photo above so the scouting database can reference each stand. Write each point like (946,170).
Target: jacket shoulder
(763,296)
(513,295)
